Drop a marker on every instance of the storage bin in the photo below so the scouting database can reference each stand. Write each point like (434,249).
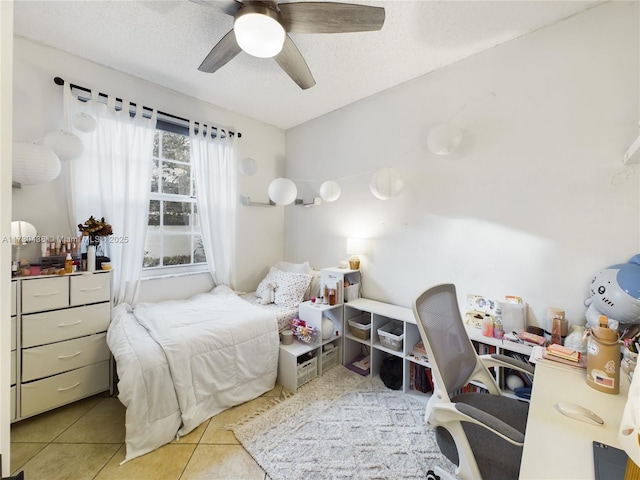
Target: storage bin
(360,327)
(352,292)
(330,358)
(391,336)
(307,370)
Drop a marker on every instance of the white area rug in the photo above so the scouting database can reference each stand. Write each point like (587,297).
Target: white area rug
(343,426)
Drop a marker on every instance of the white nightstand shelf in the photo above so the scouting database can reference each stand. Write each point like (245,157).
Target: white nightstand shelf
(294,366)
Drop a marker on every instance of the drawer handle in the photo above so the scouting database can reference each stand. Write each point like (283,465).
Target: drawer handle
(71,355)
(62,389)
(69,324)
(56,292)
(90,289)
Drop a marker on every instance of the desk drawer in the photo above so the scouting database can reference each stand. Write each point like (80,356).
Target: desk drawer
(40,362)
(90,288)
(44,294)
(61,389)
(50,327)
(14,297)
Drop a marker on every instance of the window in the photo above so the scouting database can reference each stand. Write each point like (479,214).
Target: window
(173,231)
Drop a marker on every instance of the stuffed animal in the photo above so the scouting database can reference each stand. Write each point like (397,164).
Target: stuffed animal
(615,292)
(270,295)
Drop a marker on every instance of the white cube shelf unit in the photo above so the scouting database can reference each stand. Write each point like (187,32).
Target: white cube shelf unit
(336,277)
(295,368)
(502,347)
(381,314)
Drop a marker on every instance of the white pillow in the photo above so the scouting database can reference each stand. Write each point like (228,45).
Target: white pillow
(314,286)
(290,287)
(293,267)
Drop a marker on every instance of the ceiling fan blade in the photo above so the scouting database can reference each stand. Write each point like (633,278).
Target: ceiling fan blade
(292,62)
(225,50)
(230,7)
(330,17)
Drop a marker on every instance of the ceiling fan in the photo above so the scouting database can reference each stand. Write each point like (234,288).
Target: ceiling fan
(261,29)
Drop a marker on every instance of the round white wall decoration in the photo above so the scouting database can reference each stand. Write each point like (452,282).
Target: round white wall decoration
(386,183)
(282,191)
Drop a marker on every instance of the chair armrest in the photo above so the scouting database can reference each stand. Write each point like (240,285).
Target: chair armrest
(462,412)
(497,360)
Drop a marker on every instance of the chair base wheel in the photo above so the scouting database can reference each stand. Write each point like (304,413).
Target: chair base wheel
(431,475)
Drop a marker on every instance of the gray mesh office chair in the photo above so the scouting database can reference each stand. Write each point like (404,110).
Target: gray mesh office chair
(481,433)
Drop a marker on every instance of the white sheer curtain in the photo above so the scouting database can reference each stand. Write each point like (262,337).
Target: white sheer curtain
(214,166)
(112,180)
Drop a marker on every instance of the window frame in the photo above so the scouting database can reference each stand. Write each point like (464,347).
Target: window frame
(162,128)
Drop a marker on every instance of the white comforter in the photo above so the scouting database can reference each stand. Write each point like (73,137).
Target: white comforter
(181,362)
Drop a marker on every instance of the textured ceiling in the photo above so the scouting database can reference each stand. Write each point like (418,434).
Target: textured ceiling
(165,41)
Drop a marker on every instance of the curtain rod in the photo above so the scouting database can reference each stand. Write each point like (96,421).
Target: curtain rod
(60,81)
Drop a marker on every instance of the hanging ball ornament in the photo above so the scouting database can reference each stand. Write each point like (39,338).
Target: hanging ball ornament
(386,183)
(248,167)
(65,144)
(330,191)
(84,122)
(33,164)
(444,139)
(282,191)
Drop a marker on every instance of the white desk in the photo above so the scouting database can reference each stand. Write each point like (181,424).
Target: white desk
(559,447)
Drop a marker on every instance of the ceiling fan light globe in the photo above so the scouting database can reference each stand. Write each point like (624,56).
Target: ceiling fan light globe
(259,34)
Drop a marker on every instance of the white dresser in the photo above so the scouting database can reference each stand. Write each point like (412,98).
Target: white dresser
(60,353)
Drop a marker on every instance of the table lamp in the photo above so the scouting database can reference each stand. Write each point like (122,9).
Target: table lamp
(355,246)
(21,234)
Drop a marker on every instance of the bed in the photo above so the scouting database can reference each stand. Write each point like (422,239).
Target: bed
(180,362)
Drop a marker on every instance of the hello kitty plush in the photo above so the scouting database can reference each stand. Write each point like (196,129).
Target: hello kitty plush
(270,295)
(615,292)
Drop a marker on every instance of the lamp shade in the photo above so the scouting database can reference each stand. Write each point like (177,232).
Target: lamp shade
(444,139)
(22,232)
(330,191)
(356,246)
(386,183)
(65,144)
(248,167)
(282,191)
(84,122)
(33,164)
(258,31)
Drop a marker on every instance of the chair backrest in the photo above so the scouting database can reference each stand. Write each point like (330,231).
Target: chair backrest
(450,350)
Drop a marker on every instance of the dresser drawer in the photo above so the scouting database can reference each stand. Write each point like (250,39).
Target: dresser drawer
(14,297)
(40,362)
(14,340)
(13,403)
(50,327)
(90,288)
(44,294)
(14,367)
(64,388)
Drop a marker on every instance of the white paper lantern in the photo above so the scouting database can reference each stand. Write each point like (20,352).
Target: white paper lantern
(65,144)
(282,191)
(248,167)
(444,139)
(330,191)
(33,164)
(386,183)
(84,122)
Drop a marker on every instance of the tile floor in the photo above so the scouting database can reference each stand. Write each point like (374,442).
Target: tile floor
(85,441)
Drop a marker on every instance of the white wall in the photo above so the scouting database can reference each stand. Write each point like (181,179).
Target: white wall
(38,111)
(533,203)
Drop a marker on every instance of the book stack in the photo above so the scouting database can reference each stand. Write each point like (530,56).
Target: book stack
(566,355)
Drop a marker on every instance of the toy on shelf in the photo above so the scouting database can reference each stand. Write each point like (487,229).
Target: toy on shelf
(615,292)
